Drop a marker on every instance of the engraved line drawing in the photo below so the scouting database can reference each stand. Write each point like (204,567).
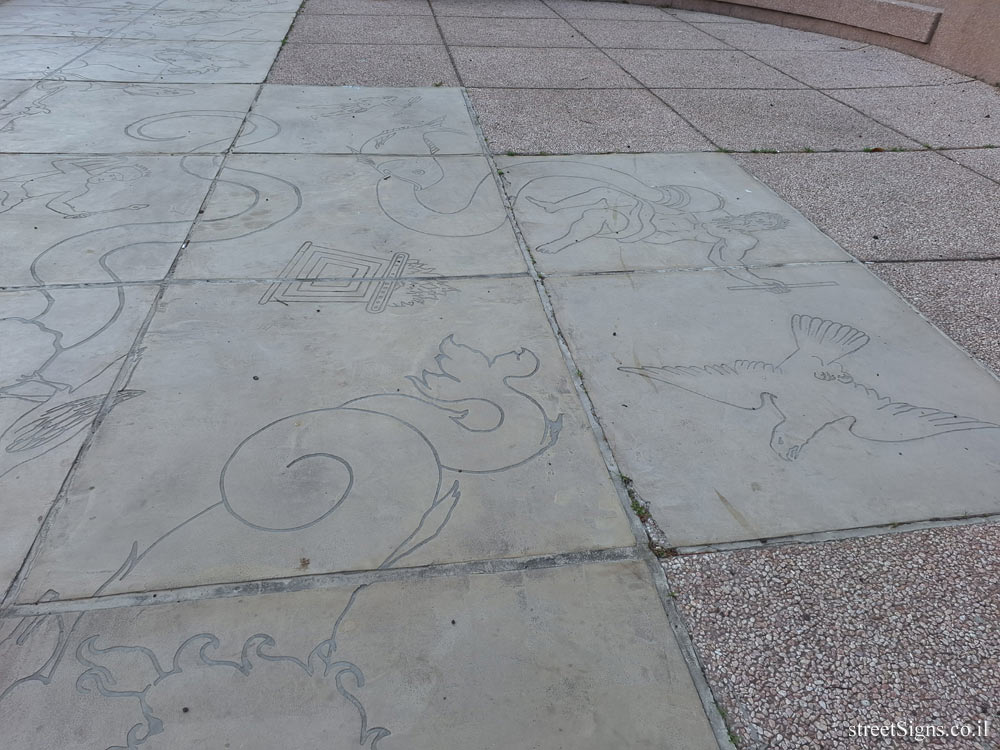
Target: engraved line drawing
(811,390)
(150,60)
(468,414)
(353,277)
(46,399)
(605,203)
(359,105)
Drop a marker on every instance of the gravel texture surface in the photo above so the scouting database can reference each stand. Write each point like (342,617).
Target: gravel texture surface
(865,67)
(962,299)
(801,643)
(707,69)
(889,206)
(364,65)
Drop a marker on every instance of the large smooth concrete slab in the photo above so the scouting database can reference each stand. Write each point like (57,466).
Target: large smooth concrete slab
(531,121)
(41,20)
(9,90)
(889,206)
(776,120)
(230,6)
(62,350)
(33,57)
(295,428)
(650,211)
(125,118)
(571,657)
(741,414)
(97,219)
(162,61)
(349,119)
(193,25)
(342,217)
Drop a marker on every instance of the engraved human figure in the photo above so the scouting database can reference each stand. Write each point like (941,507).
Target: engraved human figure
(613,213)
(68,181)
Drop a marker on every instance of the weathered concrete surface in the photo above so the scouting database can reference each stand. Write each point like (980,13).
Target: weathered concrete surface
(34,57)
(617,212)
(73,219)
(62,349)
(124,118)
(349,119)
(576,657)
(183,25)
(278,425)
(443,214)
(760,415)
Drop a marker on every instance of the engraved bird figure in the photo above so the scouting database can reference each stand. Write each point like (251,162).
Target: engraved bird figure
(811,390)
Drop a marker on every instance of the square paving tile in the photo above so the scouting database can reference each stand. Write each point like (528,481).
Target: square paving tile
(293,433)
(781,120)
(160,61)
(579,657)
(654,211)
(955,115)
(961,298)
(236,6)
(367,209)
(704,69)
(762,36)
(366,7)
(223,25)
(364,65)
(741,415)
(124,118)
(511,67)
(868,67)
(511,32)
(581,121)
(97,219)
(9,90)
(984,161)
(31,57)
(889,206)
(43,20)
(365,29)
(62,351)
(692,16)
(605,11)
(666,34)
(492,8)
(408,121)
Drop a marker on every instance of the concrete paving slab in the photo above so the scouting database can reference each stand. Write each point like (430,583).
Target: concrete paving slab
(139,5)
(781,120)
(33,57)
(746,415)
(692,16)
(289,428)
(531,121)
(663,34)
(125,118)
(511,67)
(605,11)
(364,65)
(511,32)
(62,351)
(366,7)
(349,119)
(577,657)
(41,20)
(222,25)
(159,61)
(984,161)
(868,67)
(891,625)
(955,115)
(961,298)
(493,8)
(654,211)
(889,206)
(703,69)
(270,6)
(384,226)
(9,90)
(365,30)
(97,219)
(762,36)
